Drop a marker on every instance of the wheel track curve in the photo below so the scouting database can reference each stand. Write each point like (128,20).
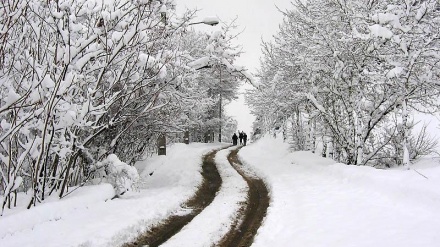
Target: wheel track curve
(252,214)
(204,195)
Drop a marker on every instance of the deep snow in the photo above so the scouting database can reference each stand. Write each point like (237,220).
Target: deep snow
(314,202)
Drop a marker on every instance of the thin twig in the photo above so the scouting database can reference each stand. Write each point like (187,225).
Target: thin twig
(419,173)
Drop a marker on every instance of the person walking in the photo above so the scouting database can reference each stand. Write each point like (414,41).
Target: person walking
(244,139)
(234,139)
(241,137)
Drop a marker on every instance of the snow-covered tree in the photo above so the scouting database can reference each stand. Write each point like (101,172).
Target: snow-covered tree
(412,55)
(337,69)
(82,81)
(217,76)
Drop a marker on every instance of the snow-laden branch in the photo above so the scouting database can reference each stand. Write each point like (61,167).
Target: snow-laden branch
(315,103)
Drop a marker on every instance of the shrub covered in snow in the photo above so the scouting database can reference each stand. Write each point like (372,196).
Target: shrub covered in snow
(117,173)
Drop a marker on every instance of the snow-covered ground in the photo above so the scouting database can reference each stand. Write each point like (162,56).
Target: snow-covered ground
(314,202)
(88,216)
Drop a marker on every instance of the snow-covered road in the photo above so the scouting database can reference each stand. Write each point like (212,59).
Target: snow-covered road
(216,220)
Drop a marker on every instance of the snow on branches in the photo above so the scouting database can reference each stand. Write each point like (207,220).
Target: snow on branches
(350,74)
(83,80)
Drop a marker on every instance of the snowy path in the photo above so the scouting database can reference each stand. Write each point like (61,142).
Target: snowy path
(236,213)
(206,192)
(215,221)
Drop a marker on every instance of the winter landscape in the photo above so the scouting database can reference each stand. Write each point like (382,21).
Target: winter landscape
(115,125)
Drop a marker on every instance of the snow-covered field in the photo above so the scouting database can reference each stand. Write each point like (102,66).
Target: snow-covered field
(315,202)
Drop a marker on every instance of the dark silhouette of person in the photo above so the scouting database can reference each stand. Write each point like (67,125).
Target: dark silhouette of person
(244,138)
(241,138)
(234,139)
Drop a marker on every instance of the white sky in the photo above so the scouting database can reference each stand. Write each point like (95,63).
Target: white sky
(259,19)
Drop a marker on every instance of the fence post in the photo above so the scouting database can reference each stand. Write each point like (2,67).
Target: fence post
(186,137)
(162,144)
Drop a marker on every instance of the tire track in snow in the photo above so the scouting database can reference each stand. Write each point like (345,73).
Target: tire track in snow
(216,220)
(202,198)
(253,213)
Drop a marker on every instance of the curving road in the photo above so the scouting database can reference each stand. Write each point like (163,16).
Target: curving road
(244,227)
(203,197)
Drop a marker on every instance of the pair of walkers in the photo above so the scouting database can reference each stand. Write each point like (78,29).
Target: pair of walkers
(242,136)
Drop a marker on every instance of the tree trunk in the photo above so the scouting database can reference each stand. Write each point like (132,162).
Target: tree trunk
(405,130)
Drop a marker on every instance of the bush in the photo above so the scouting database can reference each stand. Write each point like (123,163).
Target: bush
(117,173)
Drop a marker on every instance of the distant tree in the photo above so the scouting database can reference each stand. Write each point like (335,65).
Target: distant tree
(217,76)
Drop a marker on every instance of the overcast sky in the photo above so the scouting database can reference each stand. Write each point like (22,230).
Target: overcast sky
(259,19)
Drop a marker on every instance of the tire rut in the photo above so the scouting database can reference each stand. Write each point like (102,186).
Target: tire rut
(205,194)
(252,213)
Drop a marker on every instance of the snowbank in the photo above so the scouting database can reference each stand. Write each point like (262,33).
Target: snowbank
(316,202)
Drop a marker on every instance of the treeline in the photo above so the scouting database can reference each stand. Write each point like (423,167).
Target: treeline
(349,75)
(87,84)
